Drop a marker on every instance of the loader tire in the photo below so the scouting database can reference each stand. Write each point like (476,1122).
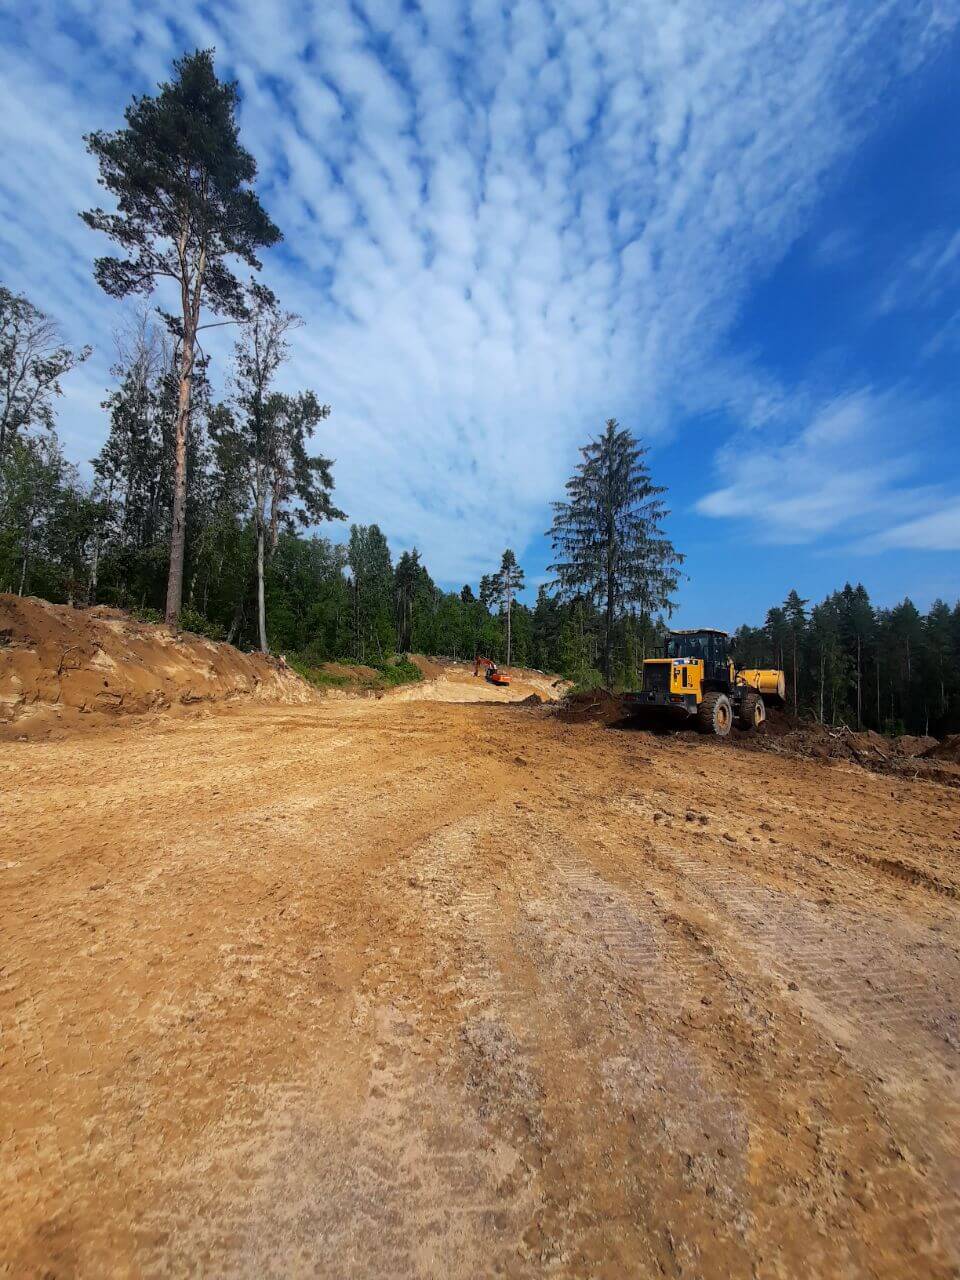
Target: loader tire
(752,712)
(715,715)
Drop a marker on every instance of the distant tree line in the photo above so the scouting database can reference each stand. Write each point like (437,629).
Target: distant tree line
(848,662)
(107,542)
(252,576)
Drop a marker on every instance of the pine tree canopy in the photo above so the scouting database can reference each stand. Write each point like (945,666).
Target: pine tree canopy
(510,577)
(182,183)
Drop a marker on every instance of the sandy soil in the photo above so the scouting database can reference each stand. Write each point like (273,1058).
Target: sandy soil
(403,987)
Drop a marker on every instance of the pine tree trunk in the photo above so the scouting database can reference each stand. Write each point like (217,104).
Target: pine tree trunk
(608,637)
(823,663)
(357,638)
(261,599)
(178,530)
(508,628)
(859,682)
(611,550)
(23,568)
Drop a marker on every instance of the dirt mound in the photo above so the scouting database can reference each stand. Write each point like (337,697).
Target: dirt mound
(948,749)
(870,745)
(908,745)
(591,704)
(59,664)
(915,757)
(430,668)
(447,680)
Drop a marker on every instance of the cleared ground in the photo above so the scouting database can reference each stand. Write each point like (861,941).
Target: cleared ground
(404,987)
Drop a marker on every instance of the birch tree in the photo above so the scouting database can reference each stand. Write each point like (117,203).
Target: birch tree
(268,433)
(33,359)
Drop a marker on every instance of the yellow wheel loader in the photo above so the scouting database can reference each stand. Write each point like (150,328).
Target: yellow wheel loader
(696,679)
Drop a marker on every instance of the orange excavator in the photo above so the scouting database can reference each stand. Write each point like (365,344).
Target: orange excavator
(492,673)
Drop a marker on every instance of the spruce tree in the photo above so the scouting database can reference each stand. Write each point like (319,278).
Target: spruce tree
(608,536)
(371,571)
(795,620)
(185,208)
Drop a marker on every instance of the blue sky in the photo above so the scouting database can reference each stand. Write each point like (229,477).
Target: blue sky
(734,228)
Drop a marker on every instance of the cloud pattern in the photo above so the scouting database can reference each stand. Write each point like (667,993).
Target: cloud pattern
(504,223)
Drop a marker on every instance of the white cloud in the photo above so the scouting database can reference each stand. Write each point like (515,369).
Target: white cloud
(848,474)
(924,275)
(939,530)
(504,223)
(837,248)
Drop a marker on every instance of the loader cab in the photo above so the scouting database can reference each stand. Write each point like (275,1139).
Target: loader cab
(710,647)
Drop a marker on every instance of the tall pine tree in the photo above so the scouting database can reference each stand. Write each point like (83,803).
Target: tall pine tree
(508,580)
(185,207)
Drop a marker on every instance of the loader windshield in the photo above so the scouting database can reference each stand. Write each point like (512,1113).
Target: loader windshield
(704,645)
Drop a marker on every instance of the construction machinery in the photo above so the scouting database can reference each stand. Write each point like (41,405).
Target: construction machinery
(696,679)
(491,671)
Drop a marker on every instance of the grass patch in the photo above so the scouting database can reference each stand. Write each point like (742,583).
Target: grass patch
(152,616)
(194,621)
(313,675)
(386,675)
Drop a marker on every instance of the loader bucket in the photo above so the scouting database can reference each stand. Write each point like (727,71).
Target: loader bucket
(771,684)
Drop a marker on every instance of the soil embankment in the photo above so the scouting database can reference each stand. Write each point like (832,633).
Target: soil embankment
(448,681)
(406,987)
(62,667)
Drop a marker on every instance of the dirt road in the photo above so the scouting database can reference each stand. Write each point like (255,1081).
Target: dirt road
(416,988)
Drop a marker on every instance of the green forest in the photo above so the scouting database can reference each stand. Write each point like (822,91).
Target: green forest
(203,508)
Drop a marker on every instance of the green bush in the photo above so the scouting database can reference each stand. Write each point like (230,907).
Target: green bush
(147,615)
(587,680)
(391,672)
(399,671)
(193,620)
